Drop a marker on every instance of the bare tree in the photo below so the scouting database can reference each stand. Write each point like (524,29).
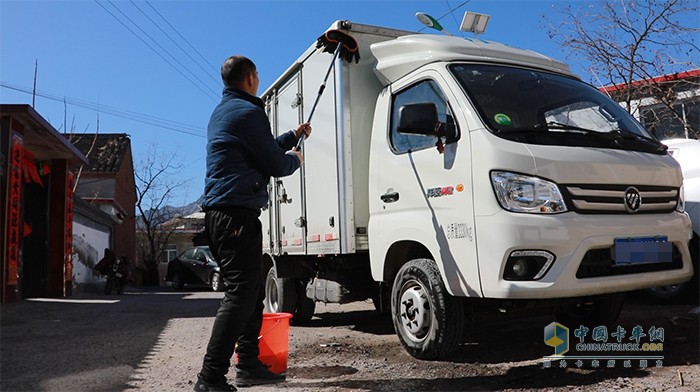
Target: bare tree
(633,44)
(156,183)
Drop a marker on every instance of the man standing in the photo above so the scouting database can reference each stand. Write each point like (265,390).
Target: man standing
(241,157)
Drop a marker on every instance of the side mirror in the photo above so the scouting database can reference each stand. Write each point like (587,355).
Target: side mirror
(422,119)
(418,119)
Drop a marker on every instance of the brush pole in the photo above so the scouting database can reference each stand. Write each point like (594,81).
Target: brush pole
(320,92)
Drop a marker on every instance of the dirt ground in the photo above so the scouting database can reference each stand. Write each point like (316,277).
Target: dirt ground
(154,340)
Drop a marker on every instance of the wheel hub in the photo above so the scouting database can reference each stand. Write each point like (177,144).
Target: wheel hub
(415,311)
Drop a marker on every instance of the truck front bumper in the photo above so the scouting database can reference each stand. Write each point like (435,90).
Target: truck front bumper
(582,246)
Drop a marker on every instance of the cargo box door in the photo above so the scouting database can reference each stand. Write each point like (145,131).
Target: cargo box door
(288,197)
(321,161)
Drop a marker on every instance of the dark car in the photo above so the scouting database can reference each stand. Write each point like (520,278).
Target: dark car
(195,266)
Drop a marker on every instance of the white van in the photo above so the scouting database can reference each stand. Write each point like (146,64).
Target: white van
(447,174)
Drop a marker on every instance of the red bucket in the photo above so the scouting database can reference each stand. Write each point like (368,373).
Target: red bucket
(274,341)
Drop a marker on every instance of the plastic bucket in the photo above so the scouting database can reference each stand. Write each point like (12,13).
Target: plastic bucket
(274,341)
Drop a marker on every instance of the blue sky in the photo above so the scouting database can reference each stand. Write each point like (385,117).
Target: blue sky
(87,57)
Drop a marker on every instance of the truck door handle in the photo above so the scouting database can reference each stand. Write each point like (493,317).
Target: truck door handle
(390,197)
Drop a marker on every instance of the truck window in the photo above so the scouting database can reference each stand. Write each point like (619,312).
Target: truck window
(426,91)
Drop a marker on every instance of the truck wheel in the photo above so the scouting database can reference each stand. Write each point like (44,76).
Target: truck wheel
(426,318)
(602,310)
(280,293)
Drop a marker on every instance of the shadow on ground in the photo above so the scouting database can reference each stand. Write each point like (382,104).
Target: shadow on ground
(90,341)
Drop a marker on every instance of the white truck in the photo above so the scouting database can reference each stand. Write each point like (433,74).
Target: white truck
(449,175)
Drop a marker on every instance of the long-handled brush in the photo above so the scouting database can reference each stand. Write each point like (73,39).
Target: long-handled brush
(342,46)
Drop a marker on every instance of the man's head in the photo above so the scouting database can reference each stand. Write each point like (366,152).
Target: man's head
(240,72)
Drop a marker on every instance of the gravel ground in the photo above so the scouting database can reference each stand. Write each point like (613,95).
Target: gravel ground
(154,340)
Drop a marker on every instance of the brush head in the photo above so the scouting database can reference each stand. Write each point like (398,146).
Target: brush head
(333,39)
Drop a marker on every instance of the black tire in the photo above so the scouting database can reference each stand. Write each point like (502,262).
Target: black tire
(177,282)
(217,284)
(601,310)
(280,293)
(109,286)
(427,319)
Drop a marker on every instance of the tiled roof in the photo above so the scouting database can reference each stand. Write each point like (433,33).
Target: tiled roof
(106,153)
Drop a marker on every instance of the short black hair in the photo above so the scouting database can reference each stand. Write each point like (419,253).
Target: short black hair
(235,69)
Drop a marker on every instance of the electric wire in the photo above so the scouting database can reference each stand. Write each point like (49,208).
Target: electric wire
(453,16)
(157,53)
(449,12)
(174,42)
(161,47)
(126,114)
(216,69)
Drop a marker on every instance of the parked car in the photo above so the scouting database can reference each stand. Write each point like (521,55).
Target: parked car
(195,266)
(686,152)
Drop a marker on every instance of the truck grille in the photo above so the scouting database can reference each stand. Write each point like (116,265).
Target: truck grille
(599,262)
(620,199)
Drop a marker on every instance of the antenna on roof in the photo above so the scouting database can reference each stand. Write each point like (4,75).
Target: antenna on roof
(431,22)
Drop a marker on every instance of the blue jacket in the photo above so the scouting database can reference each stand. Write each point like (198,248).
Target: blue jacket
(242,155)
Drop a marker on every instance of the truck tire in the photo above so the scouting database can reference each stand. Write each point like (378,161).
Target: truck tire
(280,293)
(601,310)
(427,319)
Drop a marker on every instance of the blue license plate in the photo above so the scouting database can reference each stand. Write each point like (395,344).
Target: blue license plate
(643,250)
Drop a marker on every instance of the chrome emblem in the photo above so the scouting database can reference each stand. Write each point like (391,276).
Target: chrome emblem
(633,200)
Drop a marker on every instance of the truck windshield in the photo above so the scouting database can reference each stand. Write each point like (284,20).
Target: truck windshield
(538,107)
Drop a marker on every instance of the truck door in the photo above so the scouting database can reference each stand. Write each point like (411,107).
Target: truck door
(267,213)
(288,196)
(425,195)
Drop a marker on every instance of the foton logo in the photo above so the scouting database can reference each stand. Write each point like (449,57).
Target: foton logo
(633,200)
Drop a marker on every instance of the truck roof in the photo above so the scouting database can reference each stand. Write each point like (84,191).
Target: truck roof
(401,52)
(402,55)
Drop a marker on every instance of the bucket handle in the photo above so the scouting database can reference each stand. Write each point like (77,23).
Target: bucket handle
(269,329)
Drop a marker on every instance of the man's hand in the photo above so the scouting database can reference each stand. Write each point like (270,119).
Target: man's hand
(298,154)
(304,128)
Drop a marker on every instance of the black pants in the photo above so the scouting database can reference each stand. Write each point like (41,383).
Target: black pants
(235,240)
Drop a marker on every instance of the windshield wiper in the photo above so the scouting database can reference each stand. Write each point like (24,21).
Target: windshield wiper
(625,133)
(567,127)
(545,128)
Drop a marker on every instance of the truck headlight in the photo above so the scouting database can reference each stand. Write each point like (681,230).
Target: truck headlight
(521,193)
(680,207)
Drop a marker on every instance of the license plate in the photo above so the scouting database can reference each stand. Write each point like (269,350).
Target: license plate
(643,250)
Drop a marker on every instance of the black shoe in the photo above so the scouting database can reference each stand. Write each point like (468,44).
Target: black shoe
(259,374)
(221,386)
